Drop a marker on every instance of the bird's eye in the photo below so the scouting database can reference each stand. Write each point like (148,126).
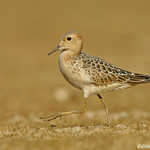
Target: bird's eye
(69,38)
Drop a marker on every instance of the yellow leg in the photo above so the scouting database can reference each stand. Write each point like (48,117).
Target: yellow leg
(62,114)
(106,110)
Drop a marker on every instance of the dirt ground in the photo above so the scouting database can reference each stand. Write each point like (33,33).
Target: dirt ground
(32,86)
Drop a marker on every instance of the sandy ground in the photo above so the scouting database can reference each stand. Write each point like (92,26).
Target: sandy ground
(32,86)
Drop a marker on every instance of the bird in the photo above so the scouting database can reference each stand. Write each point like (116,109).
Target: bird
(90,74)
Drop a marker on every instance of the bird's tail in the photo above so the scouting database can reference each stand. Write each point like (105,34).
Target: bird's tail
(139,79)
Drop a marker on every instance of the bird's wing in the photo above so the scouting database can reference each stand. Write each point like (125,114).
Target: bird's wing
(103,73)
(108,74)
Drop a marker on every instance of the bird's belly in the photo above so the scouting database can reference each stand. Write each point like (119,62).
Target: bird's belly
(94,89)
(113,86)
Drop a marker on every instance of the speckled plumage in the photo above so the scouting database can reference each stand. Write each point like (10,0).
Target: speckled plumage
(91,74)
(100,72)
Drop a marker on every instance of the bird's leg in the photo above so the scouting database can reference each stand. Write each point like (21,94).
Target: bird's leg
(106,109)
(62,114)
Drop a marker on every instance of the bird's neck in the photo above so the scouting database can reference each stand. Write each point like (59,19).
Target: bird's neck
(67,55)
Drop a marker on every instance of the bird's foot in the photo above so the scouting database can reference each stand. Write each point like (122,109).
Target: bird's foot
(59,115)
(51,117)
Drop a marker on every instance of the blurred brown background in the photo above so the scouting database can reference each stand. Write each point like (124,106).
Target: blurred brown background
(118,31)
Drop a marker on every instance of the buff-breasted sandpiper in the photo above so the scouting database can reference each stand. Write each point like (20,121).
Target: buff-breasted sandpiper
(90,74)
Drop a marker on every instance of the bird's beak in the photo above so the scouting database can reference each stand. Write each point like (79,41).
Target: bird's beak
(54,50)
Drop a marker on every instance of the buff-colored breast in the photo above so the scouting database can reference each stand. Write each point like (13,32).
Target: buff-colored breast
(72,70)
